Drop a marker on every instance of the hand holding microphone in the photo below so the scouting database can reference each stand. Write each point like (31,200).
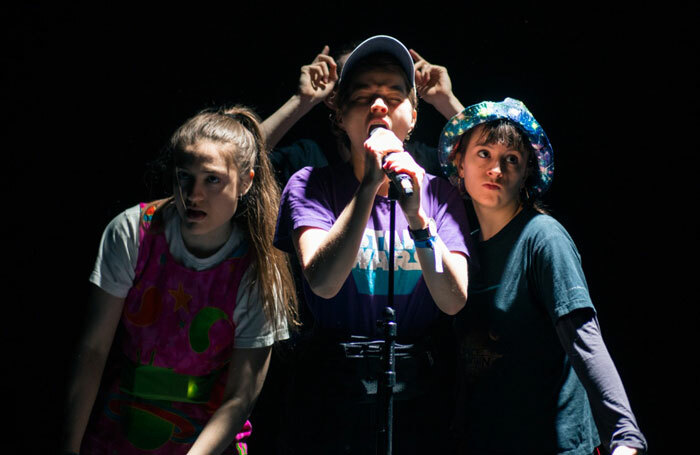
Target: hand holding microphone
(402,183)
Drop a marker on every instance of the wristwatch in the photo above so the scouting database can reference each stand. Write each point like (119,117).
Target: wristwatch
(421,235)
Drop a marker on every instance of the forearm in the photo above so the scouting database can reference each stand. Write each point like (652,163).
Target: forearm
(448,105)
(583,343)
(445,272)
(449,287)
(103,315)
(281,121)
(221,430)
(327,264)
(83,387)
(246,376)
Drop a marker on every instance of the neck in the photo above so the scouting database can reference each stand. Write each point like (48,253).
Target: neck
(205,245)
(491,221)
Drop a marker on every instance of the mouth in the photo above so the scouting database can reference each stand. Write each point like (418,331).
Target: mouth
(376,125)
(194,214)
(491,186)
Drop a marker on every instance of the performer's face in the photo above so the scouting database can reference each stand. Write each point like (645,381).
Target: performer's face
(377,97)
(493,173)
(206,193)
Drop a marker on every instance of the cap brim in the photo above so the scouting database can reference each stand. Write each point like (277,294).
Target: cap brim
(381,44)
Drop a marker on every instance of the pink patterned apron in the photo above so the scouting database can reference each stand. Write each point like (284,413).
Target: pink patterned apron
(167,372)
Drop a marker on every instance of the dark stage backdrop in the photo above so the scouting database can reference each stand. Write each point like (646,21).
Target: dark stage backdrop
(95,92)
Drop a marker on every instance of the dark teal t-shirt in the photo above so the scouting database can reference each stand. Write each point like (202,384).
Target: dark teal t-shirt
(519,393)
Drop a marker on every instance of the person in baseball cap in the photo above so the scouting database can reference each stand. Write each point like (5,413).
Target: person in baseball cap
(337,219)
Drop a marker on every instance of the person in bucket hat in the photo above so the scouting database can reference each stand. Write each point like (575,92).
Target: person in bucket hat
(488,111)
(534,373)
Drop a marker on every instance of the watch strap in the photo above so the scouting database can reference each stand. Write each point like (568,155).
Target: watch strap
(424,234)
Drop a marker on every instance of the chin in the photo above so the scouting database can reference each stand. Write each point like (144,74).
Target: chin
(490,204)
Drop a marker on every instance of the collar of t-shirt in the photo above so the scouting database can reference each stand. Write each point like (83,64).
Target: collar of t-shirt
(173,235)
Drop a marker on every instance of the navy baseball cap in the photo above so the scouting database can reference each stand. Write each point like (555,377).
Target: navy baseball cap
(381,44)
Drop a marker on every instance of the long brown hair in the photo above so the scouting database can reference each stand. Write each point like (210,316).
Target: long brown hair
(238,130)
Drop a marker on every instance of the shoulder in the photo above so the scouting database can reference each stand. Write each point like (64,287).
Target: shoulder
(125,225)
(296,185)
(125,228)
(155,214)
(313,197)
(313,178)
(118,253)
(545,235)
(440,183)
(545,227)
(442,192)
(320,172)
(302,175)
(556,266)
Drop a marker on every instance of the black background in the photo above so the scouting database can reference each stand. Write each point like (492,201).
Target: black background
(94,92)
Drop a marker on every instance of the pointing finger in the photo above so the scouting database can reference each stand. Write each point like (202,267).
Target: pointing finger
(416,56)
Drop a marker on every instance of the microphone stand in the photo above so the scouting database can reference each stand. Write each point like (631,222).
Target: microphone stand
(387,380)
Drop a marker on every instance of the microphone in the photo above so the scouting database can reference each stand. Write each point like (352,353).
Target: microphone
(402,183)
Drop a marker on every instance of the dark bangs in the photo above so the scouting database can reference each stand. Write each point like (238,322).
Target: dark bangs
(506,132)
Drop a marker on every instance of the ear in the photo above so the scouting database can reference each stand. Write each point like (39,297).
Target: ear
(459,158)
(528,167)
(329,100)
(245,183)
(338,118)
(414,118)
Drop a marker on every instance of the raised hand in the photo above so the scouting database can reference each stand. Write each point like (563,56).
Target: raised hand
(433,84)
(403,163)
(318,78)
(380,143)
(316,82)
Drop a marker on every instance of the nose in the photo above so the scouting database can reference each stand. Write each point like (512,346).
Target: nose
(379,106)
(495,170)
(195,191)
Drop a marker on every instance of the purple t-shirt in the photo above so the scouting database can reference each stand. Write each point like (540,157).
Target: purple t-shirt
(315,197)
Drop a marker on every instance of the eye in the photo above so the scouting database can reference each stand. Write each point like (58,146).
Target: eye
(360,99)
(483,153)
(512,159)
(213,179)
(183,176)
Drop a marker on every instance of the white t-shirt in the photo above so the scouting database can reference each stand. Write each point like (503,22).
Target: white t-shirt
(116,264)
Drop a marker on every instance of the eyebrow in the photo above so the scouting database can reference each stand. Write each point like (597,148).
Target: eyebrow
(481,144)
(204,170)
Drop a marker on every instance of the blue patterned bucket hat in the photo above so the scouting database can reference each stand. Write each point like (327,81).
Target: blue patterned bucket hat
(487,111)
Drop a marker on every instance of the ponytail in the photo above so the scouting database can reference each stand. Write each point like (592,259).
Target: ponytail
(257,215)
